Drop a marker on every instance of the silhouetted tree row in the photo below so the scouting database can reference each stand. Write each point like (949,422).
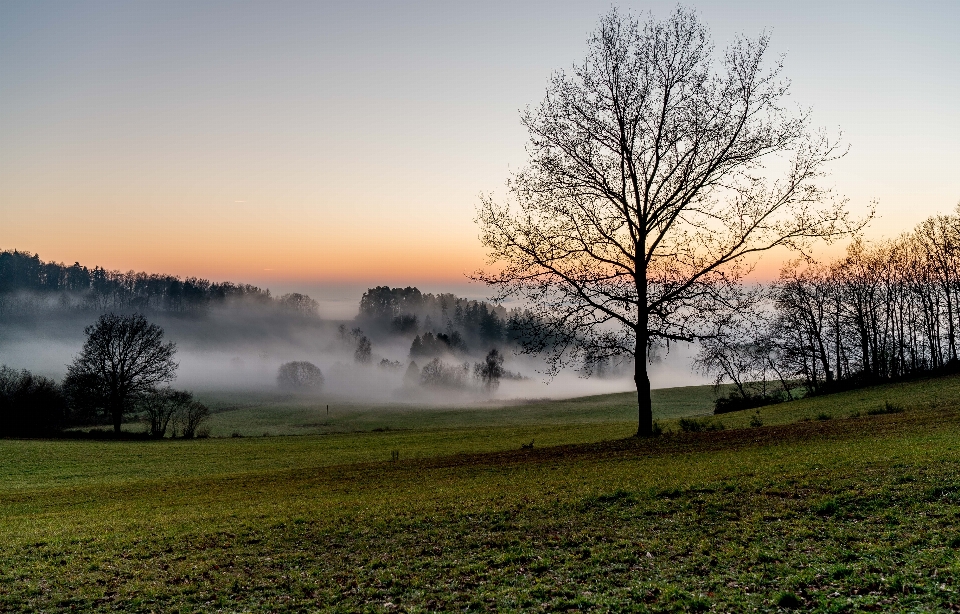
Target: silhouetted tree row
(101,290)
(883,312)
(407,310)
(430,345)
(123,368)
(30,405)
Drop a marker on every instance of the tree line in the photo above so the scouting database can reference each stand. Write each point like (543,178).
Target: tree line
(882,312)
(101,290)
(452,322)
(124,368)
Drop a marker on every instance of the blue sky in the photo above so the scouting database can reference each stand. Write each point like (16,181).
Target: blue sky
(312,144)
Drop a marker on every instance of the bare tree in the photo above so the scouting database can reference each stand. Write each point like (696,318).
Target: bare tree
(161,405)
(122,358)
(490,370)
(188,420)
(364,348)
(656,172)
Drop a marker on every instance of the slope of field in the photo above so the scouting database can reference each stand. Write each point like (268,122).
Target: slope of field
(825,508)
(278,414)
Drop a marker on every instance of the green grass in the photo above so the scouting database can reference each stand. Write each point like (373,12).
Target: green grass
(842,514)
(278,414)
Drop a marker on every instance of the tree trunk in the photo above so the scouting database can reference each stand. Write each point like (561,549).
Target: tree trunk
(640,376)
(117,411)
(115,406)
(644,403)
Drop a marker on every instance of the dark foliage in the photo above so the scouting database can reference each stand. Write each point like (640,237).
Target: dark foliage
(407,310)
(404,323)
(430,345)
(123,358)
(699,425)
(100,290)
(300,375)
(735,402)
(490,370)
(30,405)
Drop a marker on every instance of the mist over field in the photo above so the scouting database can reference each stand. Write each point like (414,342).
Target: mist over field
(239,346)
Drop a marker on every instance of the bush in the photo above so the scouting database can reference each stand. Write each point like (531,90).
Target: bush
(693,425)
(736,402)
(300,375)
(30,405)
(887,408)
(188,420)
(438,373)
(162,406)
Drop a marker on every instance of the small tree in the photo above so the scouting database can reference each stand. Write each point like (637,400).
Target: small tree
(160,406)
(188,419)
(412,375)
(300,375)
(363,351)
(439,374)
(123,358)
(490,370)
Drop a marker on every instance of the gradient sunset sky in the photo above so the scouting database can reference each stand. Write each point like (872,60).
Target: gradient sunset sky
(300,145)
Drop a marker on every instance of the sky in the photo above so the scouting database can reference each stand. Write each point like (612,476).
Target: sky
(326,147)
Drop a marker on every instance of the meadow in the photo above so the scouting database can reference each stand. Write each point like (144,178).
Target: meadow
(847,502)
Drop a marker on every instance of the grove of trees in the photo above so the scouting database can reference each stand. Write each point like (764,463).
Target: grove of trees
(882,312)
(122,369)
(123,359)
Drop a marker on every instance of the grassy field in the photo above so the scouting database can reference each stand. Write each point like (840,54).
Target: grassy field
(831,505)
(277,414)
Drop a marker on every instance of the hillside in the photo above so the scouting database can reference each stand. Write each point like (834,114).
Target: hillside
(824,514)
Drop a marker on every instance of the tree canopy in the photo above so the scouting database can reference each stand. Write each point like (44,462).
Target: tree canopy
(123,357)
(656,171)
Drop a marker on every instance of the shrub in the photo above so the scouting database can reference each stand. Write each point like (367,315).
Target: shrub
(300,375)
(887,408)
(189,420)
(161,406)
(438,373)
(693,425)
(736,402)
(30,405)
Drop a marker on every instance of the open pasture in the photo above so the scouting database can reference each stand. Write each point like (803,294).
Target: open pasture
(815,510)
(256,414)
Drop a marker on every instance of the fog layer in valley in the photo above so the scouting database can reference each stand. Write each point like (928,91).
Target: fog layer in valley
(239,346)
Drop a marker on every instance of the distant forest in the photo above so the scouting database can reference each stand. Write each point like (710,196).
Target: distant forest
(435,323)
(446,318)
(99,289)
